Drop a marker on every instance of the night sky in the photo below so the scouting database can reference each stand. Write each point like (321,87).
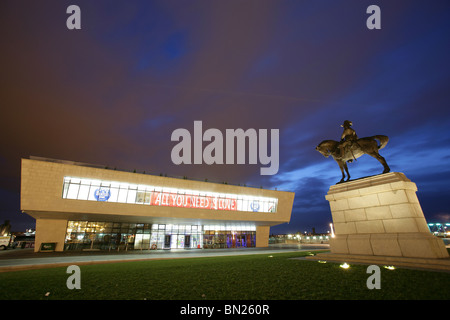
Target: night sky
(113,92)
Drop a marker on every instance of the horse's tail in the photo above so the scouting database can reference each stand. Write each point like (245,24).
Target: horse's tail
(382,139)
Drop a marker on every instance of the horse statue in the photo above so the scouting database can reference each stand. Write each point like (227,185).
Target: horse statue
(355,149)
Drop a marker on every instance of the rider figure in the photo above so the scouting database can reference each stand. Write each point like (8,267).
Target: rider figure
(347,138)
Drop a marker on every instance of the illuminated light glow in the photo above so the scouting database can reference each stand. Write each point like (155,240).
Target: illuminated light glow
(389,267)
(113,191)
(332,230)
(321,261)
(345,265)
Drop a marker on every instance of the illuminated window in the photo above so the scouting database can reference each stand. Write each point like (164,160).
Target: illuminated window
(113,191)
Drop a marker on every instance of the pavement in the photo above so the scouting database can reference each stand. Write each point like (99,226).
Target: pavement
(25,259)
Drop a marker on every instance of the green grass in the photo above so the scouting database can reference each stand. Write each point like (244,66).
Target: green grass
(252,277)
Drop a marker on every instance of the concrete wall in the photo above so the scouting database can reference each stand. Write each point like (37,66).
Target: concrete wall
(262,236)
(50,230)
(381,216)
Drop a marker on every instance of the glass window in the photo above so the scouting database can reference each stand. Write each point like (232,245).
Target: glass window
(122,197)
(245,205)
(65,188)
(105,184)
(115,184)
(85,189)
(114,195)
(91,195)
(140,196)
(95,183)
(72,193)
(147,198)
(83,193)
(131,198)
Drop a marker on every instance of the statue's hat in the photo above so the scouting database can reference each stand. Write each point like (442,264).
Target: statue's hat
(347,123)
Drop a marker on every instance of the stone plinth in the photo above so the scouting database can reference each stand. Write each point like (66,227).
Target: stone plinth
(380,218)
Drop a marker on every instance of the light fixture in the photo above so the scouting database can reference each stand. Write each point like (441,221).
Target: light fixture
(332,230)
(345,265)
(389,267)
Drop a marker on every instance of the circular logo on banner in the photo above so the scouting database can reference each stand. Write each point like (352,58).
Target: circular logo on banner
(102,194)
(255,205)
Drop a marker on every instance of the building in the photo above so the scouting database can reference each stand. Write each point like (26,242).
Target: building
(300,238)
(87,207)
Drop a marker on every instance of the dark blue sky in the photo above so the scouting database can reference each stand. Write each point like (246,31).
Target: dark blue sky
(113,92)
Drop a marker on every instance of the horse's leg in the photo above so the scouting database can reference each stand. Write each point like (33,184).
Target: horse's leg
(341,166)
(377,156)
(346,170)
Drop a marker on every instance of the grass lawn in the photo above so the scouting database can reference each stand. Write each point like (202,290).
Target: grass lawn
(251,277)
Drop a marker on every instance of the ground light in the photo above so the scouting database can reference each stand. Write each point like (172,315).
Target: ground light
(345,265)
(389,267)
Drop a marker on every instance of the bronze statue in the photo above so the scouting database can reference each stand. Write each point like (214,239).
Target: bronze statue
(350,148)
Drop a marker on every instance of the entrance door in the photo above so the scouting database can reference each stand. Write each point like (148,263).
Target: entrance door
(142,241)
(187,241)
(167,241)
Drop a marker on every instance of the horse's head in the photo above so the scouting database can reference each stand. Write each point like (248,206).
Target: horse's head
(325,148)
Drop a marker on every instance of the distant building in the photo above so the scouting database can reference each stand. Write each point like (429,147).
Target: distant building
(82,206)
(319,238)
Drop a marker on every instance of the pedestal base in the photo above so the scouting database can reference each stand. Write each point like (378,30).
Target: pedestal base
(379,220)
(408,245)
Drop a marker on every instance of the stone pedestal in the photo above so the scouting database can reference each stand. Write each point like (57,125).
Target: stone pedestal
(379,220)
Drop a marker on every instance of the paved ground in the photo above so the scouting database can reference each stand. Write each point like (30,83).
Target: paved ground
(22,259)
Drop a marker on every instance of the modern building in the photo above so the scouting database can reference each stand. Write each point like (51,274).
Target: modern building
(80,206)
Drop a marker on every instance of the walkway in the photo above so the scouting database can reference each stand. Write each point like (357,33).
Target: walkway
(24,259)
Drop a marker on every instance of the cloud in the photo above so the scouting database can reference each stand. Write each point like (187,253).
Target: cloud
(113,93)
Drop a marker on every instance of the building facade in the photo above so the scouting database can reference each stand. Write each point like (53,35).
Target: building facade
(86,207)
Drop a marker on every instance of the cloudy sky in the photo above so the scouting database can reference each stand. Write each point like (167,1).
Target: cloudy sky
(113,92)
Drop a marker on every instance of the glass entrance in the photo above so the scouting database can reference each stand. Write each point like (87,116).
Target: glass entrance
(167,241)
(88,235)
(187,241)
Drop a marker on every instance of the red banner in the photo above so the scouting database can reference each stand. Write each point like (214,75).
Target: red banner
(190,201)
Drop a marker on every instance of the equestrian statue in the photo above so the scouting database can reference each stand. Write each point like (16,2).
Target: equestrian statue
(351,147)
